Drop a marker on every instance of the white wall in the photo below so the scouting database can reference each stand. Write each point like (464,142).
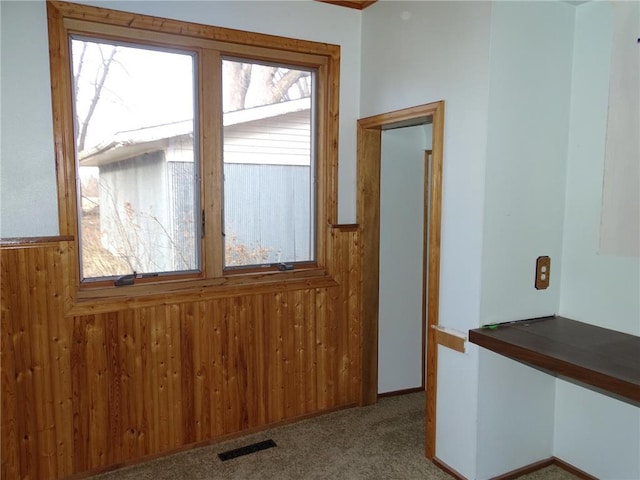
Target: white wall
(596,433)
(401,250)
(593,432)
(515,415)
(530,88)
(28,196)
(529,92)
(27,182)
(420,52)
(599,289)
(620,219)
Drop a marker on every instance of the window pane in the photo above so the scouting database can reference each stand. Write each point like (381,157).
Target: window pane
(134,112)
(269,171)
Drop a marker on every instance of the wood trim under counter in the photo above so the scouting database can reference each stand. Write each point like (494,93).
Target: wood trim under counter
(450,338)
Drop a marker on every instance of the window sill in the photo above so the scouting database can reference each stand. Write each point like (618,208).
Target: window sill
(112,299)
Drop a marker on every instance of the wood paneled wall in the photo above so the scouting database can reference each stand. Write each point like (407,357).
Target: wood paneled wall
(81,394)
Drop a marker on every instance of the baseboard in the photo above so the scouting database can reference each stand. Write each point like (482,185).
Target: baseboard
(401,392)
(573,470)
(543,464)
(533,467)
(447,469)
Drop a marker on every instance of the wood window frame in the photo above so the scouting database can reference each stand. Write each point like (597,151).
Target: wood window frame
(211,43)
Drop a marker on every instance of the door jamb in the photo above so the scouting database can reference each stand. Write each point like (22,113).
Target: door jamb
(368,217)
(428,155)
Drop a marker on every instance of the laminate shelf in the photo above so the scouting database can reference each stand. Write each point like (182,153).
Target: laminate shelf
(596,356)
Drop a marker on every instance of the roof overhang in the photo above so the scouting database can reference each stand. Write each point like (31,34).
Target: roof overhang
(132,143)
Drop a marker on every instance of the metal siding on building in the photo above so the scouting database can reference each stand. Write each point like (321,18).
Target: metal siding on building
(133,217)
(184,228)
(267,188)
(269,206)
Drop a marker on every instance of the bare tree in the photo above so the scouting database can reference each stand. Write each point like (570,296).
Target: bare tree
(269,84)
(275,84)
(99,74)
(236,91)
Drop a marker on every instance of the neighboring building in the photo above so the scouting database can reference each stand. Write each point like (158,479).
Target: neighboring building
(147,180)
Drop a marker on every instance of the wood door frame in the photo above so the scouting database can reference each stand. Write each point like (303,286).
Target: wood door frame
(368,217)
(426,205)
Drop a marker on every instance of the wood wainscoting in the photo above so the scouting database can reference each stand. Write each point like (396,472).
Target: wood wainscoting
(88,393)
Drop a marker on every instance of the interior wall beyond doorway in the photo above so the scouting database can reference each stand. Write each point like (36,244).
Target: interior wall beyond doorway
(402,184)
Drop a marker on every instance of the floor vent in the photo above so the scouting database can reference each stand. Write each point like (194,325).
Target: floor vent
(246,450)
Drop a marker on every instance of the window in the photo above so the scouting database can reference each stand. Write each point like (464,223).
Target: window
(135,159)
(269,164)
(191,157)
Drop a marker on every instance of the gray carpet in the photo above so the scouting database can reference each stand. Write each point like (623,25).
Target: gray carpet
(383,441)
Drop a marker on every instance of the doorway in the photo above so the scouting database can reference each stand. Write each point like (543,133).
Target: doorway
(368,217)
